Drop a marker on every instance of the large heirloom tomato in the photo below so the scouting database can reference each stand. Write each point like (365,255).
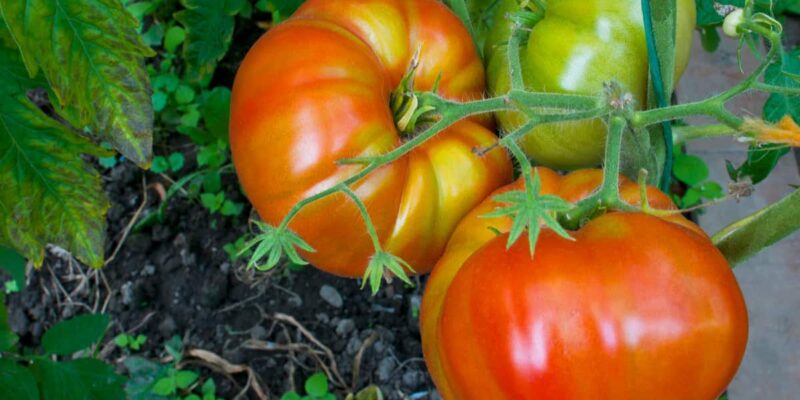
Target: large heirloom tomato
(575,48)
(315,89)
(636,307)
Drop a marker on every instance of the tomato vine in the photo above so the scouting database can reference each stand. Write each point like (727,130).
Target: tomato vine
(527,208)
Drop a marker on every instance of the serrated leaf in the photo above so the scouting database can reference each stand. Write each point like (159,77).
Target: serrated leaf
(17,382)
(50,195)
(209,30)
(13,75)
(75,334)
(93,58)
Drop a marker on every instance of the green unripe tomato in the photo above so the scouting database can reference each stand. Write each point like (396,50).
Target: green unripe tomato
(576,47)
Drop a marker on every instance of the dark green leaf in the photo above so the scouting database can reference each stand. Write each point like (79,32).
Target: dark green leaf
(59,381)
(143,374)
(212,182)
(7,338)
(159,101)
(93,58)
(14,264)
(745,238)
(761,160)
(216,112)
(13,75)
(280,9)
(689,169)
(710,39)
(174,347)
(75,334)
(49,195)
(209,30)
(16,381)
(99,378)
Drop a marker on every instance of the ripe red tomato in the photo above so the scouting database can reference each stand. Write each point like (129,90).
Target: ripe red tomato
(636,307)
(316,88)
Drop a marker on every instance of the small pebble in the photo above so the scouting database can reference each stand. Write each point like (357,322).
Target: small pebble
(331,296)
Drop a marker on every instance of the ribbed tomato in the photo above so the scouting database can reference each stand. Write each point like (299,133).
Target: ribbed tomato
(316,88)
(636,307)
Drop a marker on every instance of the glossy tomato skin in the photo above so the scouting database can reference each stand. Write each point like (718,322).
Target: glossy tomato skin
(579,45)
(315,90)
(636,307)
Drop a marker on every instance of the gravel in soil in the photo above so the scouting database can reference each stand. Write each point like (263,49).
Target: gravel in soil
(174,278)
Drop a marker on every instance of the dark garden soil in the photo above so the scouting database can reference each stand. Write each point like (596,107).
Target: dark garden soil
(174,278)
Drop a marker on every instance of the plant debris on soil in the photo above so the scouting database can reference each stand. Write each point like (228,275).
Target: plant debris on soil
(174,278)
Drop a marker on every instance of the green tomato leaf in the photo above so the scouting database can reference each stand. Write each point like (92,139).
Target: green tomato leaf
(174,38)
(317,384)
(93,58)
(745,238)
(50,194)
(14,264)
(209,30)
(781,74)
(16,381)
(689,169)
(761,160)
(74,334)
(280,9)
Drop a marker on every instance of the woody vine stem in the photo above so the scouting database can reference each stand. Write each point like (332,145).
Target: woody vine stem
(527,208)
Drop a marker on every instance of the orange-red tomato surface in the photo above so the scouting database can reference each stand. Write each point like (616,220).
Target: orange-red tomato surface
(316,88)
(636,307)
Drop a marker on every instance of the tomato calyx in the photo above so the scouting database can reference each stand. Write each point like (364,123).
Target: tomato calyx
(405,103)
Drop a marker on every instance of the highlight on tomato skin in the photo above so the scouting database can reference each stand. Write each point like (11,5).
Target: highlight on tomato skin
(296,110)
(632,305)
(576,47)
